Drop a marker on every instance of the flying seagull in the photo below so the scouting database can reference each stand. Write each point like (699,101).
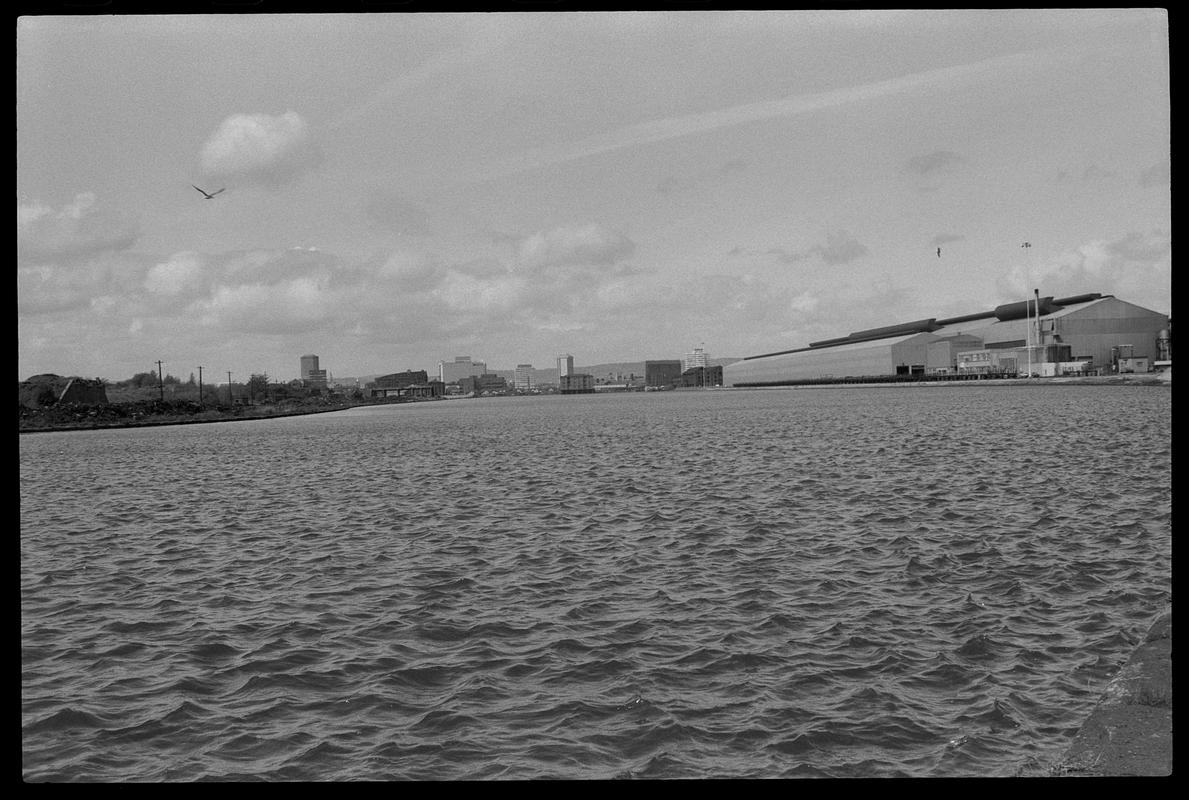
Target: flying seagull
(210,196)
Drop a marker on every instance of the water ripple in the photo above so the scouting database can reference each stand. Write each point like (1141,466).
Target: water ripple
(819,583)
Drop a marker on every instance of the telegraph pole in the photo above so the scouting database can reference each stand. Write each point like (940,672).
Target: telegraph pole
(200,387)
(160,382)
(230,394)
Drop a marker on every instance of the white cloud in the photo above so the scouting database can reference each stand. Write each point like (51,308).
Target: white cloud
(258,148)
(290,307)
(411,271)
(1001,68)
(80,228)
(586,244)
(181,273)
(1136,268)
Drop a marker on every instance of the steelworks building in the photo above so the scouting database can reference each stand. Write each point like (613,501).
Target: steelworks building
(1084,333)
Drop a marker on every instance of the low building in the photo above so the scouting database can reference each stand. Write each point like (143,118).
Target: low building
(316,379)
(1091,326)
(485,383)
(401,380)
(425,389)
(578,383)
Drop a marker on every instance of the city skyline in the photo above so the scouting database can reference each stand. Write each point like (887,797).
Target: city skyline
(400,188)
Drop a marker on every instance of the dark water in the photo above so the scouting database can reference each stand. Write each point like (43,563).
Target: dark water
(925,581)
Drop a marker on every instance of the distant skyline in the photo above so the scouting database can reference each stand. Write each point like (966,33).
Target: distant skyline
(400,189)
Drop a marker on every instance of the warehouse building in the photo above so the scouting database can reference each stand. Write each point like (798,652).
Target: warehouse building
(661,374)
(1085,332)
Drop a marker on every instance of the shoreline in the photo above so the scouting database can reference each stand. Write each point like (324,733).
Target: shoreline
(156,423)
(1159,380)
(1145,379)
(1129,732)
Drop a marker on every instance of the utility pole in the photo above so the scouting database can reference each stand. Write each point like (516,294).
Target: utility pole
(200,387)
(230,394)
(160,382)
(1039,339)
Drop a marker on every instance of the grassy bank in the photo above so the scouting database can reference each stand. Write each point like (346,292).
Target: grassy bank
(143,413)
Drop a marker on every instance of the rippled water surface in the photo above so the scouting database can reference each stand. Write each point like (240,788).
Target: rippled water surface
(847,582)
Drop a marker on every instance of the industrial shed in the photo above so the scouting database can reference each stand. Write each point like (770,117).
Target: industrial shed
(1094,326)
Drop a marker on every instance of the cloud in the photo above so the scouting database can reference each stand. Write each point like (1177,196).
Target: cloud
(570,271)
(258,148)
(272,266)
(1095,172)
(46,289)
(411,272)
(672,184)
(840,248)
(587,244)
(931,163)
(177,276)
(394,214)
(1003,68)
(1136,268)
(667,185)
(289,307)
(1156,175)
(76,230)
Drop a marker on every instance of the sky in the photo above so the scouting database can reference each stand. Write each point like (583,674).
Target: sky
(401,189)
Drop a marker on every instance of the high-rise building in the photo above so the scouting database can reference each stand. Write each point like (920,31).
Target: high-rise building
(565,365)
(310,373)
(523,381)
(695,359)
(461,367)
(308,364)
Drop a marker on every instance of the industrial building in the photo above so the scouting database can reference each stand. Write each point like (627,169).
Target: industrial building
(401,380)
(700,377)
(661,374)
(1090,333)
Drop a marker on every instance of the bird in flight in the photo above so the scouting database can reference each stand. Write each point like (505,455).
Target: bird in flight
(939,252)
(210,196)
